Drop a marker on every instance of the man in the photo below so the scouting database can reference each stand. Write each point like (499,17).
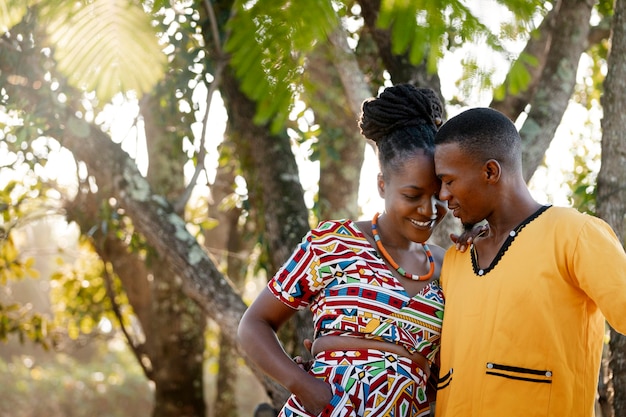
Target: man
(525,306)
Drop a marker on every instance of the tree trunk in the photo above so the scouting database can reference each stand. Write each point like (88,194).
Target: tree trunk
(612,177)
(229,247)
(537,47)
(277,199)
(557,81)
(177,349)
(399,66)
(341,145)
(171,352)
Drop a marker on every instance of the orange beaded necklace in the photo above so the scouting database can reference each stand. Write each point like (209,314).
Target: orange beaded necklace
(389,259)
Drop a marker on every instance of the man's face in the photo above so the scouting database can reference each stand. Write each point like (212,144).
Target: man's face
(462,183)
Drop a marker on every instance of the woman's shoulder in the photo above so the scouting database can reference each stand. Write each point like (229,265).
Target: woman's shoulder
(339,228)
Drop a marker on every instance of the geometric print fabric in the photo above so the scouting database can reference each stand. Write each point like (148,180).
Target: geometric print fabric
(367,383)
(341,278)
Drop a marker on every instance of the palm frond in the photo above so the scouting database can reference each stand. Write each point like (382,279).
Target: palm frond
(106,46)
(11,13)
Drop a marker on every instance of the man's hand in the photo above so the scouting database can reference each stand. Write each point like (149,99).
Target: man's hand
(465,239)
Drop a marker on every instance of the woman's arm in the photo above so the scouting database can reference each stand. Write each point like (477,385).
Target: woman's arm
(257,337)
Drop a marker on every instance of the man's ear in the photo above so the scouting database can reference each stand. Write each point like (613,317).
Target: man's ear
(492,170)
(381,185)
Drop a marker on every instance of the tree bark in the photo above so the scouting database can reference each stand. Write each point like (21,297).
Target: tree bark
(278,201)
(172,351)
(401,69)
(612,176)
(341,146)
(117,177)
(275,201)
(177,326)
(538,47)
(557,82)
(228,244)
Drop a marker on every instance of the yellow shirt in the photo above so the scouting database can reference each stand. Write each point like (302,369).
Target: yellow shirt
(525,338)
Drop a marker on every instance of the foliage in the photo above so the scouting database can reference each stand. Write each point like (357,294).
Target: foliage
(106,46)
(11,267)
(111,385)
(16,319)
(17,208)
(437,22)
(445,24)
(11,12)
(79,294)
(583,179)
(269,63)
(518,77)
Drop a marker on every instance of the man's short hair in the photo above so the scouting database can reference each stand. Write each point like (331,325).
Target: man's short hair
(483,133)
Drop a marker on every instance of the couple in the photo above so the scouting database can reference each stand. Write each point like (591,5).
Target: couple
(524,306)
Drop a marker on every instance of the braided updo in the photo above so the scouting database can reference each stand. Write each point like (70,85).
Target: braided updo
(402,120)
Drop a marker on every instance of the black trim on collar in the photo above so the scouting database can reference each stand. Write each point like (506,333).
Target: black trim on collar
(505,246)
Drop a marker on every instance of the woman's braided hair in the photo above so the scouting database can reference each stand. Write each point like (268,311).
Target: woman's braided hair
(402,120)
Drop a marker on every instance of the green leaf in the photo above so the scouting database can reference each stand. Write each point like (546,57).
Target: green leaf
(109,46)
(425,29)
(11,13)
(268,42)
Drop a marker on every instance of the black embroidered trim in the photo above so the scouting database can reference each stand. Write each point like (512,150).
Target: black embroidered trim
(517,369)
(445,380)
(445,377)
(505,245)
(442,386)
(543,381)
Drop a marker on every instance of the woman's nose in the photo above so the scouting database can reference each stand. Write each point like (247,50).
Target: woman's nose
(429,208)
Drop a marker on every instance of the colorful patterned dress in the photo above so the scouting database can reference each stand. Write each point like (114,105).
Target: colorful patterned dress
(341,278)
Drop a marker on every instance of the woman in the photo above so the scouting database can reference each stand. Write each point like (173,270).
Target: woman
(372,285)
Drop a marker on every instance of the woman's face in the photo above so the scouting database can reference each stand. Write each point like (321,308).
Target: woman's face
(412,208)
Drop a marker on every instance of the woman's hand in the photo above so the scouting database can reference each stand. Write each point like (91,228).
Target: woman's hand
(314,394)
(303,364)
(299,360)
(465,239)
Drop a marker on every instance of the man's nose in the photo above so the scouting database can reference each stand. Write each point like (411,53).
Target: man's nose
(444,194)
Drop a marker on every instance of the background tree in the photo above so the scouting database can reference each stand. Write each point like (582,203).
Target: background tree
(61,62)
(611,194)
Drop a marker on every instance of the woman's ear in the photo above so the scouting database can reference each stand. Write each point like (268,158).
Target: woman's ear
(381,185)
